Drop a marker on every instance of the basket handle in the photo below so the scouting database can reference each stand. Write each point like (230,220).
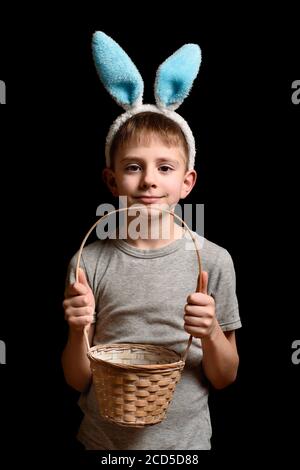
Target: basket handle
(199,281)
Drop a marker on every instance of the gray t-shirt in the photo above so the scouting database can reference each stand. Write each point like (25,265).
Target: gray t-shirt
(140,297)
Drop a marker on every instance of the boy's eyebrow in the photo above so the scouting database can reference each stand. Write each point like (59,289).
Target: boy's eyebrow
(160,159)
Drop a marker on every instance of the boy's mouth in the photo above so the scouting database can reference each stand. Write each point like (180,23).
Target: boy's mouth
(148,199)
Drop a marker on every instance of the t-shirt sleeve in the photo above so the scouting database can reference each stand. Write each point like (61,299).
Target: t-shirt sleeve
(71,277)
(89,262)
(223,288)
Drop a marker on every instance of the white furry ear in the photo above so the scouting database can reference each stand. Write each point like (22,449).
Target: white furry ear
(117,72)
(175,76)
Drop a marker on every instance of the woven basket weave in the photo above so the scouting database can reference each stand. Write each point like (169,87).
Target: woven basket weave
(134,383)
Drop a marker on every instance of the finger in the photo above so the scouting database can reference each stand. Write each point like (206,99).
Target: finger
(193,321)
(204,282)
(197,298)
(79,322)
(82,277)
(195,331)
(76,301)
(196,311)
(78,312)
(75,289)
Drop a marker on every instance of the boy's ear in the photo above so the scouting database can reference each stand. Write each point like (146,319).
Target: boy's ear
(109,179)
(189,182)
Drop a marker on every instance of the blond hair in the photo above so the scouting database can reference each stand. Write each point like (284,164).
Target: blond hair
(142,127)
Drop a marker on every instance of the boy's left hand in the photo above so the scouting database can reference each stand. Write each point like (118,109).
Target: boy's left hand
(200,315)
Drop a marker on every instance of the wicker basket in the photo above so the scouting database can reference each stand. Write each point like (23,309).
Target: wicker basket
(134,383)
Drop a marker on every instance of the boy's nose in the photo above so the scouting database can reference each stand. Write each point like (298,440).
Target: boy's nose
(148,179)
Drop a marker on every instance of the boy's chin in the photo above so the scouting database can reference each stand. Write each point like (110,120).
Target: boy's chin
(154,209)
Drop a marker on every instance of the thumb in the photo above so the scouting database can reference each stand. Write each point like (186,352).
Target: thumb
(82,277)
(204,282)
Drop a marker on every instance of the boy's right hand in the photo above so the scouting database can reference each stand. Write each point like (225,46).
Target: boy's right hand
(79,304)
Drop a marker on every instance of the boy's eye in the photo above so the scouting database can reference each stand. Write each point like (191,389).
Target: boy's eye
(133,168)
(165,169)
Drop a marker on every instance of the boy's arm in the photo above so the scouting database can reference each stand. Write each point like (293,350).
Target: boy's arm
(220,357)
(76,365)
(79,306)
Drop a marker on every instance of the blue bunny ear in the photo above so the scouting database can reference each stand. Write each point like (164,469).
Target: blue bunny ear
(117,72)
(175,76)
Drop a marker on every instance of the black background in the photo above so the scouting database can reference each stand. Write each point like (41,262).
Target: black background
(52,153)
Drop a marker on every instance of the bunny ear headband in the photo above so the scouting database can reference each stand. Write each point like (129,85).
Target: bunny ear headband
(121,78)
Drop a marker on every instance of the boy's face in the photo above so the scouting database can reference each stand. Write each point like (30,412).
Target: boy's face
(150,173)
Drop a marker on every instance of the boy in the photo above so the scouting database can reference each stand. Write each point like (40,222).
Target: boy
(143,289)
